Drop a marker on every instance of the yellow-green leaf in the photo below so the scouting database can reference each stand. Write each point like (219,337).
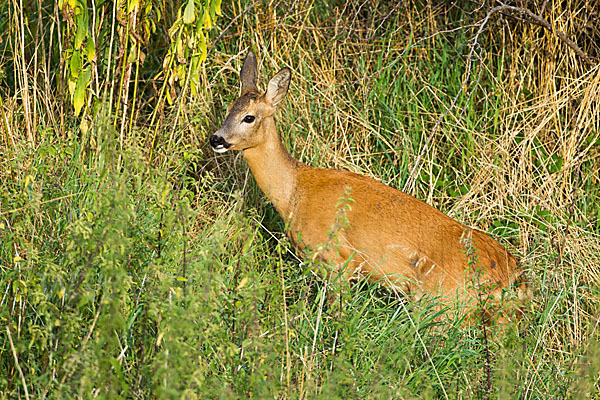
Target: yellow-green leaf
(163,195)
(80,94)
(28,180)
(213,10)
(84,127)
(133,4)
(90,51)
(75,64)
(81,30)
(247,243)
(180,73)
(207,22)
(132,57)
(242,283)
(189,14)
(71,82)
(86,74)
(203,50)
(179,49)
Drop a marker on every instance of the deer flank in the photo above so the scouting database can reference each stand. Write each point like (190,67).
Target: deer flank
(354,222)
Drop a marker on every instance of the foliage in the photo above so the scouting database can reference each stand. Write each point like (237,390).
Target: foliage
(106,52)
(134,263)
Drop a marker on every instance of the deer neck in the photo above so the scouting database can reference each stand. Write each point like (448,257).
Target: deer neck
(273,168)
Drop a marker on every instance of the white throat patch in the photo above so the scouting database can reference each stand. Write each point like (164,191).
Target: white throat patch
(220,149)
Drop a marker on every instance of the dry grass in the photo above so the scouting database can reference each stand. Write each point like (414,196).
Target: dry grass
(510,145)
(530,166)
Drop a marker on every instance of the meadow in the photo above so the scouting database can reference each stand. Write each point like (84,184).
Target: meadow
(137,263)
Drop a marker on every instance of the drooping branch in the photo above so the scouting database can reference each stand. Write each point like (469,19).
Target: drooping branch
(502,9)
(541,21)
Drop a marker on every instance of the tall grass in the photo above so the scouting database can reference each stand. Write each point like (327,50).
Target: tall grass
(136,263)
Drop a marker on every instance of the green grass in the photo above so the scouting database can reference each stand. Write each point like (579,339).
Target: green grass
(131,272)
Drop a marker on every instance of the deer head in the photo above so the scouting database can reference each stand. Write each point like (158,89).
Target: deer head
(243,126)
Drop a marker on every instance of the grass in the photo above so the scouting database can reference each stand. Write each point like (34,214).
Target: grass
(139,272)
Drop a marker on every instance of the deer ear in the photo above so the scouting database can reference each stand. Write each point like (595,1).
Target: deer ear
(278,86)
(248,73)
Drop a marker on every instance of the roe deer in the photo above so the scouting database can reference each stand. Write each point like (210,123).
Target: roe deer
(387,235)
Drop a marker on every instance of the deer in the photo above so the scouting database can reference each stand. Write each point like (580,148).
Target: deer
(386,235)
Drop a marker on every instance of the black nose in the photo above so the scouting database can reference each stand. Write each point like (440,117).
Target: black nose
(215,141)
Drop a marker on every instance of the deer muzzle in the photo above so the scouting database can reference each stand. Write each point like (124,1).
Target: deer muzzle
(219,144)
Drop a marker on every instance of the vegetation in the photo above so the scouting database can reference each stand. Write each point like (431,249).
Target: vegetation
(135,263)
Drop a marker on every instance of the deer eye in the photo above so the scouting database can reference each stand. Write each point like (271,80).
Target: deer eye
(248,119)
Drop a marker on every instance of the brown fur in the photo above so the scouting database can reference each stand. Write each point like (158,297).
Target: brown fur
(392,235)
(384,233)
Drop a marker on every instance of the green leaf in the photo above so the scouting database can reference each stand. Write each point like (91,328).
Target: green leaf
(133,4)
(180,73)
(203,51)
(213,10)
(163,195)
(86,75)
(189,14)
(80,94)
(133,54)
(75,64)
(82,29)
(90,51)
(71,83)
(207,21)
(179,49)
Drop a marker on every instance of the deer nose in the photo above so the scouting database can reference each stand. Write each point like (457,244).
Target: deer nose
(216,141)
(219,144)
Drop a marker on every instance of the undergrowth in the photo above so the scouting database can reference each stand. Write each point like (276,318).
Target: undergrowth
(135,263)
